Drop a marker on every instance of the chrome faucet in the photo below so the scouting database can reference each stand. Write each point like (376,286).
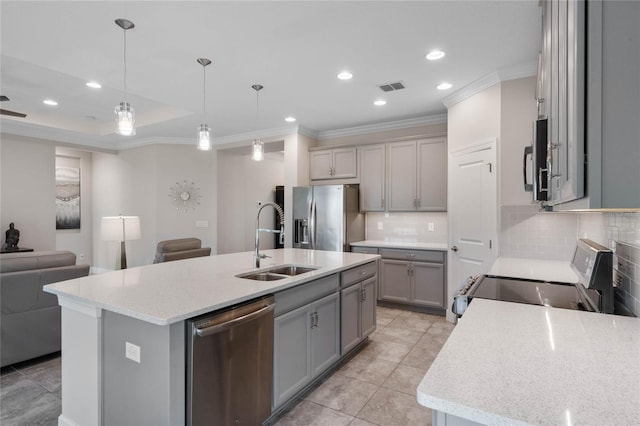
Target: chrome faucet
(257,256)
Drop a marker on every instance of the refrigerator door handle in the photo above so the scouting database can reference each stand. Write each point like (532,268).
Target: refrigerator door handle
(312,225)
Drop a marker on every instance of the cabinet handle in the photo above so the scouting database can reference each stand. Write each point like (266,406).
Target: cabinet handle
(363,295)
(313,321)
(382,203)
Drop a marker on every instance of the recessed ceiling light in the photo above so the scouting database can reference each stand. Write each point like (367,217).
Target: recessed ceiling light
(443,86)
(345,75)
(290,119)
(435,55)
(94,84)
(50,102)
(380,102)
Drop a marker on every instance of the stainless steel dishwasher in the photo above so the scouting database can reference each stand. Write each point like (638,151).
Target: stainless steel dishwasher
(230,365)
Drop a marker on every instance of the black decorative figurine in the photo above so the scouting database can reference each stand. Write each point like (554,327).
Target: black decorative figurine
(12,236)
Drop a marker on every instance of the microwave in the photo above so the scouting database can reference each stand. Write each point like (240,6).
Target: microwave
(536,153)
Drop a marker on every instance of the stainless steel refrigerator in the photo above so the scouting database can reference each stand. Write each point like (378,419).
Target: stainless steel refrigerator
(327,217)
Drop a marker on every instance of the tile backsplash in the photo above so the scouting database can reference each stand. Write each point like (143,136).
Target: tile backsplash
(627,275)
(407,227)
(526,232)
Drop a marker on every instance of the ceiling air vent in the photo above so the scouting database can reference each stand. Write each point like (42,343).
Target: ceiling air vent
(390,87)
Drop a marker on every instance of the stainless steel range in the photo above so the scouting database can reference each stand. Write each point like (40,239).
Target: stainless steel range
(593,292)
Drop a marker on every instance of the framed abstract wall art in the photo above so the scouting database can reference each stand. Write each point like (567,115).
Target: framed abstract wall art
(67,198)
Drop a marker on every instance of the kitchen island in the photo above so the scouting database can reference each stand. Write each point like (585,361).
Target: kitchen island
(147,306)
(510,363)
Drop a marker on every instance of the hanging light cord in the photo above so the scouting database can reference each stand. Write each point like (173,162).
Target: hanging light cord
(257,109)
(204,94)
(125,65)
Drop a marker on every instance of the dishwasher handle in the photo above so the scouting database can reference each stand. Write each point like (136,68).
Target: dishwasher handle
(207,331)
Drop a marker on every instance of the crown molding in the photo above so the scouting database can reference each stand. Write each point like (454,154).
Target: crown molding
(528,69)
(381,127)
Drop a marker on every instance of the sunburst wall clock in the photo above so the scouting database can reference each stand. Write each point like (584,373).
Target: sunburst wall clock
(185,196)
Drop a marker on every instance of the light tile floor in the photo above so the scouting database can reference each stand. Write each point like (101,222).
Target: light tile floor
(378,385)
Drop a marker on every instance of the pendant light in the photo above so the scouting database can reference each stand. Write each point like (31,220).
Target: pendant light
(257,148)
(204,137)
(125,114)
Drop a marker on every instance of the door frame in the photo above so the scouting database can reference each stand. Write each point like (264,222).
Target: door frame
(490,144)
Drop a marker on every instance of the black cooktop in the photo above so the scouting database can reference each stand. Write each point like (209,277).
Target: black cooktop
(532,292)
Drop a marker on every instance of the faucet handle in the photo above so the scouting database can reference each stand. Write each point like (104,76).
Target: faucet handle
(264,256)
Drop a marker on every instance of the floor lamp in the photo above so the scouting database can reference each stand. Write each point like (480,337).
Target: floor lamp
(123,229)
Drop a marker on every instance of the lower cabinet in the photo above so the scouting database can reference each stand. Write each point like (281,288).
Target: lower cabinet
(306,343)
(358,311)
(419,281)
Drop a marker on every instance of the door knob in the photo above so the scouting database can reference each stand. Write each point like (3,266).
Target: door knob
(454,248)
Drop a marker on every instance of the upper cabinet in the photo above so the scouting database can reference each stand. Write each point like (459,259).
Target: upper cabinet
(561,97)
(590,91)
(372,178)
(417,175)
(339,163)
(406,176)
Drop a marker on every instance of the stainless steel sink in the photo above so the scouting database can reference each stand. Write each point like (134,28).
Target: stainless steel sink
(277,272)
(292,270)
(263,276)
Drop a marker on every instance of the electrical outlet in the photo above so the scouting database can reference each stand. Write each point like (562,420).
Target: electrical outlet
(431,227)
(132,352)
(380,226)
(81,256)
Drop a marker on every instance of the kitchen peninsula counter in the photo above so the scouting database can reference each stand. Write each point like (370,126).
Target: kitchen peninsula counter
(165,293)
(510,363)
(124,332)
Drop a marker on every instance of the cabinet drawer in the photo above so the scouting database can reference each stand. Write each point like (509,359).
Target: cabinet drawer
(358,273)
(365,250)
(417,255)
(305,293)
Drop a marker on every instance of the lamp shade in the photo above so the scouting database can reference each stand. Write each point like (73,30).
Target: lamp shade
(120,228)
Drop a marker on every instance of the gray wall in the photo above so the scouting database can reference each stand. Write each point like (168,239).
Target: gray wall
(27,190)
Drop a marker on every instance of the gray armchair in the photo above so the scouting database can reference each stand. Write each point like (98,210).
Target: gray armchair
(183,248)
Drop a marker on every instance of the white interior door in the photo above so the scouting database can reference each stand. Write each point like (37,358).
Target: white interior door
(472,214)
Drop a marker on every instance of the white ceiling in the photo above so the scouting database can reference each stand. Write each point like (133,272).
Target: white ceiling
(295,49)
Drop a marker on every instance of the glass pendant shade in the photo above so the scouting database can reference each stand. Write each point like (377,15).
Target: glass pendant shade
(204,138)
(125,118)
(257,150)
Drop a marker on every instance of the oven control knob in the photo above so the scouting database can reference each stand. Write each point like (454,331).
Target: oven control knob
(454,248)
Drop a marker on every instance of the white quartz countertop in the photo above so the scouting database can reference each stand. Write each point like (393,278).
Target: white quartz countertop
(535,269)
(169,292)
(510,363)
(401,245)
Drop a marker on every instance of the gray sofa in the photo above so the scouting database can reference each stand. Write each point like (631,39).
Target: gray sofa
(30,318)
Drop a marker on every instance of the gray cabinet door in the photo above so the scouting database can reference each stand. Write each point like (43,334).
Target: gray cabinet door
(432,175)
(395,285)
(368,307)
(401,166)
(325,339)
(350,309)
(292,353)
(428,284)
(372,178)
(321,165)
